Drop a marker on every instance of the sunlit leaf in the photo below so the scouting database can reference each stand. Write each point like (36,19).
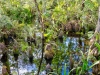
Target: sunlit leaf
(20,25)
(68,8)
(97,45)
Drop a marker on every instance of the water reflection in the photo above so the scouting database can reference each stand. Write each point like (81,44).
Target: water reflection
(89,64)
(63,68)
(75,45)
(22,66)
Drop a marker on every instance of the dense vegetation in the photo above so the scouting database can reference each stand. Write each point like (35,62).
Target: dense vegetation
(27,26)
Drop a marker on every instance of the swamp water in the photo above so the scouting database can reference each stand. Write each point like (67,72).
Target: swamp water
(23,67)
(75,44)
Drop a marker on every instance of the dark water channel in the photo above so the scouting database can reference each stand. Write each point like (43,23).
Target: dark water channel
(23,67)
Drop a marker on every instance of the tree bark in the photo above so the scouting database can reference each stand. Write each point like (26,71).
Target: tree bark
(97,30)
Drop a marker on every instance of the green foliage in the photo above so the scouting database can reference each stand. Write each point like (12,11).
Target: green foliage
(90,34)
(56,14)
(5,21)
(97,45)
(84,66)
(24,46)
(65,69)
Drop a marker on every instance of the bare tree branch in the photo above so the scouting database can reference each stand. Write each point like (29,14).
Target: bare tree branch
(41,23)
